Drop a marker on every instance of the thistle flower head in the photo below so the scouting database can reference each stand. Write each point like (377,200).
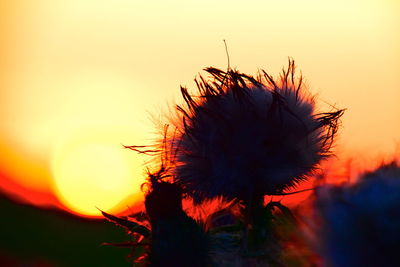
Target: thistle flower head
(361,223)
(243,135)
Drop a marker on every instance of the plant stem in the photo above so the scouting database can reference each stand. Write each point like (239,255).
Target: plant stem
(256,225)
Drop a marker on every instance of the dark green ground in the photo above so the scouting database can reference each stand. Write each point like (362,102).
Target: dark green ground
(29,235)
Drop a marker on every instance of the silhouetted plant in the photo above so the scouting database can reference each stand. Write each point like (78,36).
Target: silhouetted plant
(173,238)
(177,239)
(361,222)
(140,232)
(239,139)
(243,137)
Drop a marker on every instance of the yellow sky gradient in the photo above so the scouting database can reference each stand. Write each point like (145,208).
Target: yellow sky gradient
(73,66)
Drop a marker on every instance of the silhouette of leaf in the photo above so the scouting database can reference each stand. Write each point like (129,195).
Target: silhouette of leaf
(127,224)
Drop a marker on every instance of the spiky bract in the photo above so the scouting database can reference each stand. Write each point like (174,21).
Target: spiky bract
(243,135)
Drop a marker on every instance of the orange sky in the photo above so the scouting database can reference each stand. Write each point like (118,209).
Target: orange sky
(98,68)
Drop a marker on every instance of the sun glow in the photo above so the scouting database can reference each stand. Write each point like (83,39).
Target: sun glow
(92,173)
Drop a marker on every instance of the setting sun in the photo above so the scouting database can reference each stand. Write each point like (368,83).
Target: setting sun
(92,174)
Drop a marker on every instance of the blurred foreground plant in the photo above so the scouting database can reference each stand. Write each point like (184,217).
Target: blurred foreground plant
(360,223)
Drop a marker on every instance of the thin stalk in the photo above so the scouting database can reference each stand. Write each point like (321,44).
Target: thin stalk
(256,225)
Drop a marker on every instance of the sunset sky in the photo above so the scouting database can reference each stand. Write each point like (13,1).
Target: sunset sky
(80,78)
